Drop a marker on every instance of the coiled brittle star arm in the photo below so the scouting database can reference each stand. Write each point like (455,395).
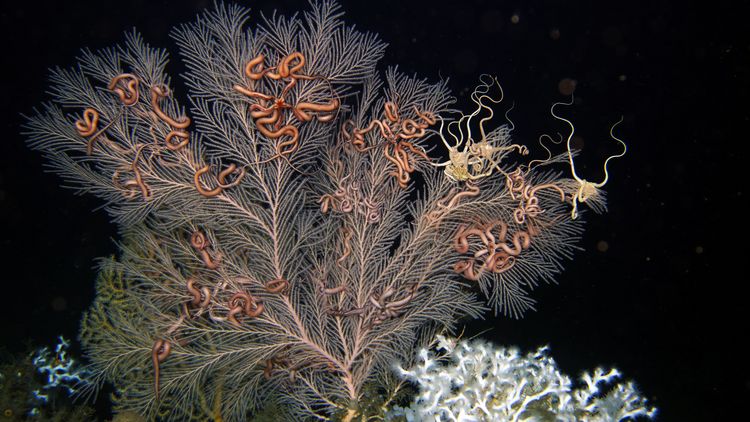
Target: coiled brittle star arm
(159,354)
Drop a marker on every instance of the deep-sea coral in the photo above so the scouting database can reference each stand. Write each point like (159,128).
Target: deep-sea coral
(274,253)
(475,381)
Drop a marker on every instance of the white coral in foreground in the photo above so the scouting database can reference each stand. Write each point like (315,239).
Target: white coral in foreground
(474,381)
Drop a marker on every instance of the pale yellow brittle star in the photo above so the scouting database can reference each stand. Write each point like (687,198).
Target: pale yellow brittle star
(587,190)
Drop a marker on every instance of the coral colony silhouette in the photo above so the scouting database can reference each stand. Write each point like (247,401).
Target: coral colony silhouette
(296,229)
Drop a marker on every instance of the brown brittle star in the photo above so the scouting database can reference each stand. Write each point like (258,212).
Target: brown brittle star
(277,285)
(201,297)
(387,309)
(199,241)
(159,353)
(453,199)
(396,132)
(500,257)
(125,85)
(243,303)
(178,126)
(270,115)
(221,180)
(87,127)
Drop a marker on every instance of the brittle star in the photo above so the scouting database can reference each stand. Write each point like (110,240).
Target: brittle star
(586,190)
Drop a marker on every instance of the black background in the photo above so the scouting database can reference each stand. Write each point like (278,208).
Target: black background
(665,303)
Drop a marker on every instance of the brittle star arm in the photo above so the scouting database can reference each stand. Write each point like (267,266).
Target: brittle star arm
(478,100)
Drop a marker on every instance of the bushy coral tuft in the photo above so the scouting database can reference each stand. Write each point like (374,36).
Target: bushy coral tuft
(476,381)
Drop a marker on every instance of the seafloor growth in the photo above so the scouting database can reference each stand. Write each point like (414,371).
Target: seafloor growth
(303,223)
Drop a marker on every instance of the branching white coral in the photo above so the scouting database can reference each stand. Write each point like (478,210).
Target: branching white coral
(475,381)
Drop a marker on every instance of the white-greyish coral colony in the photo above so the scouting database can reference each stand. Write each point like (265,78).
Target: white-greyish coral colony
(472,381)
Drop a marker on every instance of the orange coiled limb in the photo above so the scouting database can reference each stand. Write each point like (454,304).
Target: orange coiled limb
(178,137)
(250,68)
(159,353)
(270,117)
(199,186)
(125,85)
(221,180)
(199,241)
(88,126)
(285,71)
(157,93)
(498,256)
(466,268)
(201,297)
(243,303)
(396,132)
(145,190)
(277,285)
(300,110)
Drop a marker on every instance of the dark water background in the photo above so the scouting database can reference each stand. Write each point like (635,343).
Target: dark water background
(651,294)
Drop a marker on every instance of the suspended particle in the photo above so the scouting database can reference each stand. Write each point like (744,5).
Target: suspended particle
(567,86)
